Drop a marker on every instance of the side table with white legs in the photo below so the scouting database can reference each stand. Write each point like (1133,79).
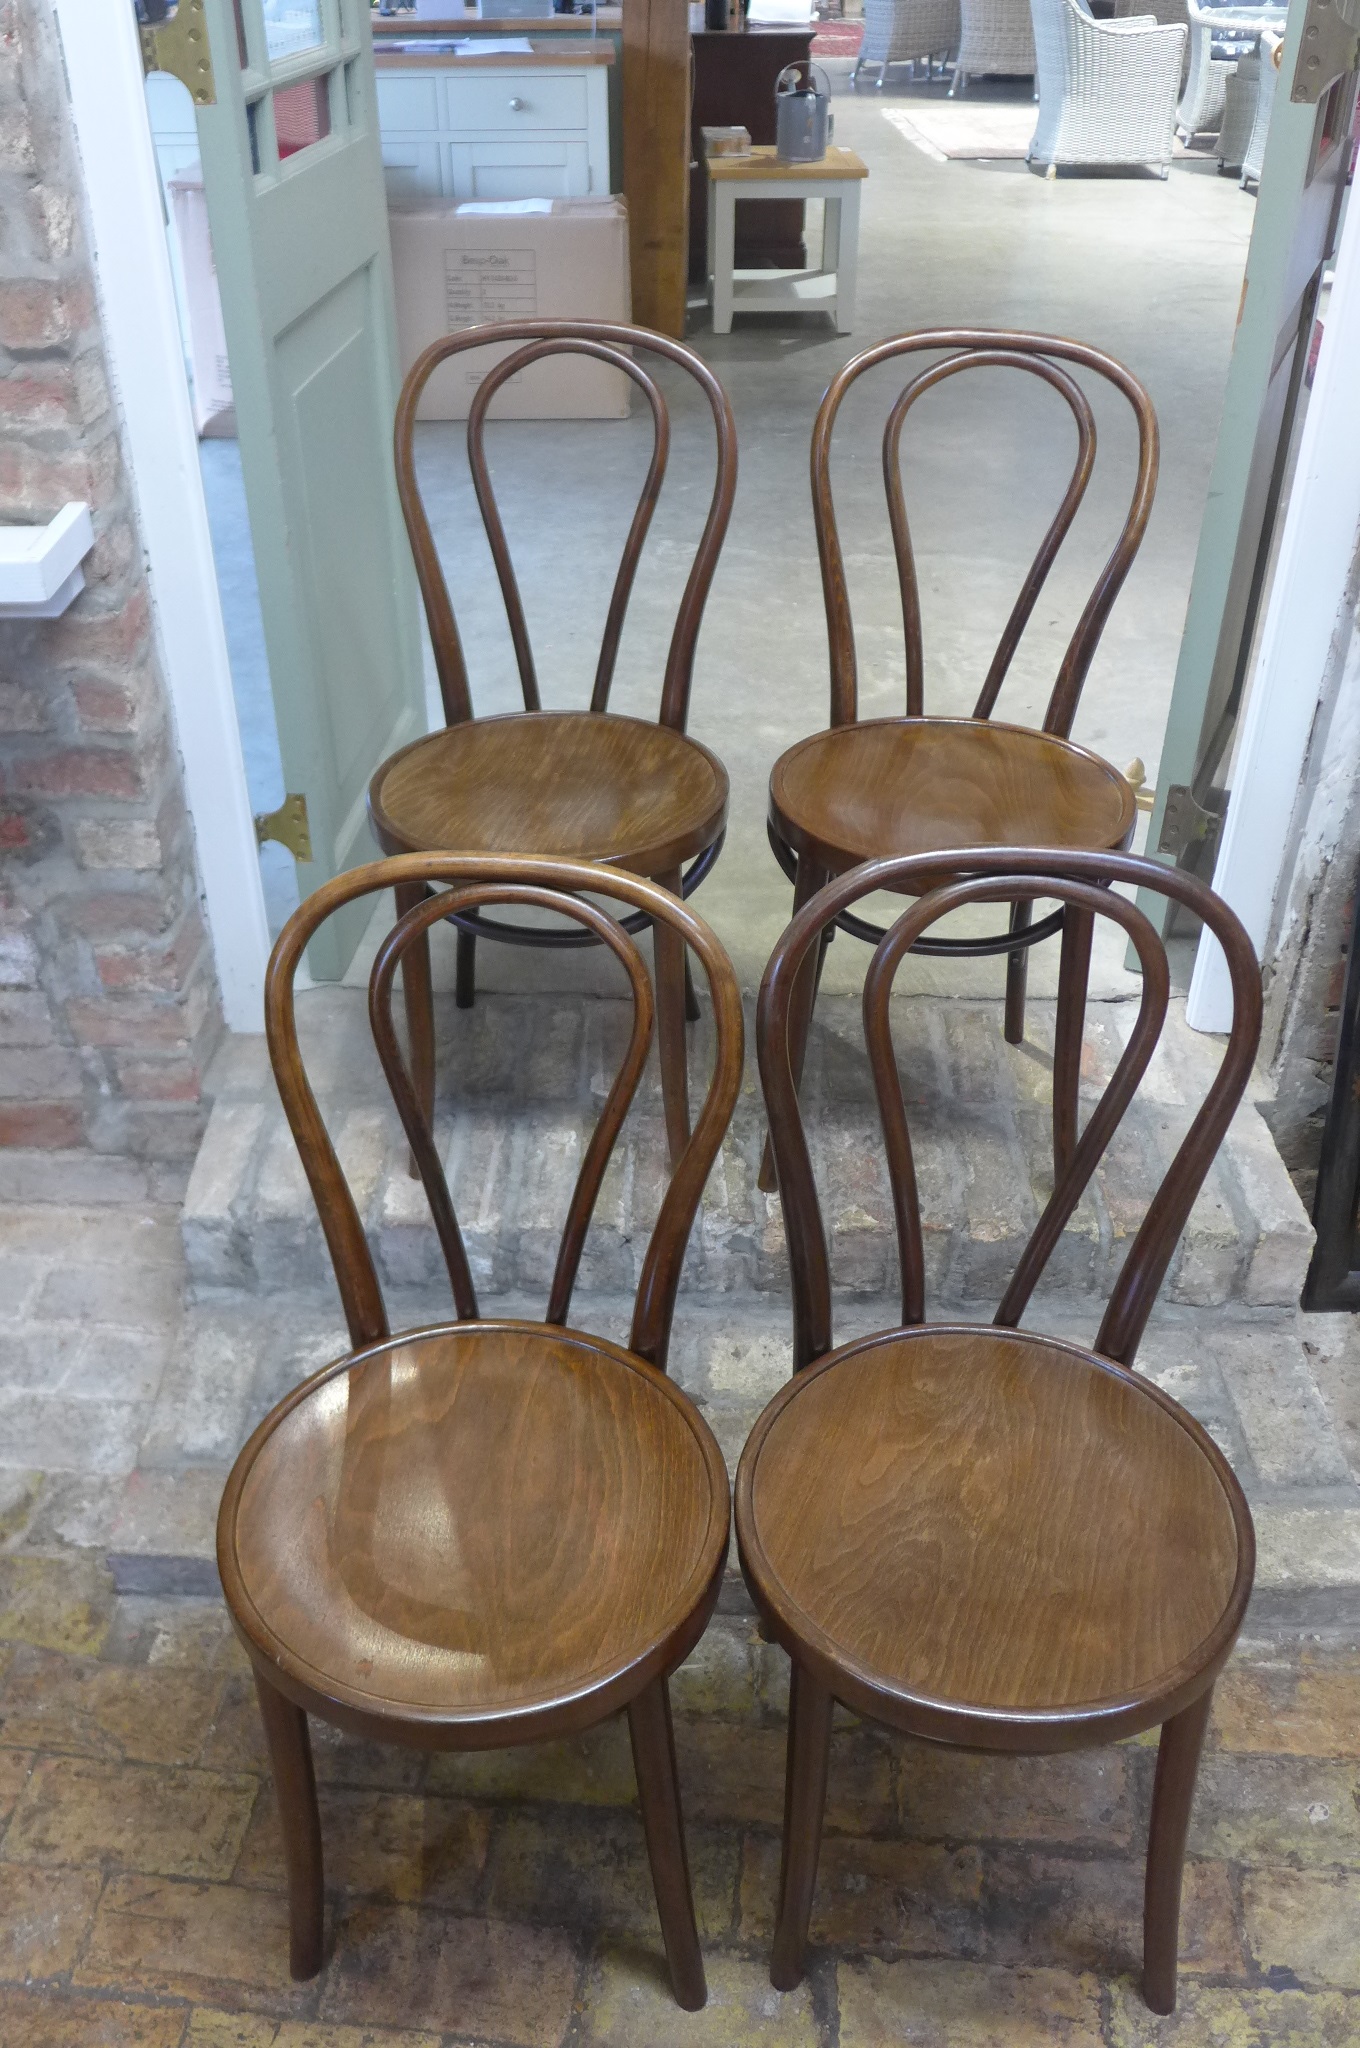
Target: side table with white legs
(828,289)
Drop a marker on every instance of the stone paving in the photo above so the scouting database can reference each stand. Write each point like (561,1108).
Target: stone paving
(504,1899)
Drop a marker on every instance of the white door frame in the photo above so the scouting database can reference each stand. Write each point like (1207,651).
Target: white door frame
(1317,550)
(146,367)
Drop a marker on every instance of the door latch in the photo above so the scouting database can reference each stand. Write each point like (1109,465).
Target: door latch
(175,39)
(1328,48)
(288,824)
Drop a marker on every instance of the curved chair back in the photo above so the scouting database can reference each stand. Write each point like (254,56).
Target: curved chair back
(464,883)
(536,340)
(944,882)
(1042,356)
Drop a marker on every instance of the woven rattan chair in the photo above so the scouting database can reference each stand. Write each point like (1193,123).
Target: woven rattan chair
(904,31)
(996,38)
(1107,89)
(1271,46)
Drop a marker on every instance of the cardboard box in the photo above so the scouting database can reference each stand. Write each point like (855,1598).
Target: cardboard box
(461,266)
(214,410)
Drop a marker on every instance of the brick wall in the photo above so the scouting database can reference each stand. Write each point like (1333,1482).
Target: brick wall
(1305,956)
(108,1003)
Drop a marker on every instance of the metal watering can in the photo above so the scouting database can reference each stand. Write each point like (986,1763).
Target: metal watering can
(803,119)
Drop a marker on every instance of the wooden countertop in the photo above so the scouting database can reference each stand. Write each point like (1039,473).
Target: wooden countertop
(405,26)
(763,166)
(504,60)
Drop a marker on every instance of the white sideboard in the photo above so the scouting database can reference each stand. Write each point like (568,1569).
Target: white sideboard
(488,128)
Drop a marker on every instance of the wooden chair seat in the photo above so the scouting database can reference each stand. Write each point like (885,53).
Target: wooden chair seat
(479,1528)
(889,786)
(965,1522)
(571,785)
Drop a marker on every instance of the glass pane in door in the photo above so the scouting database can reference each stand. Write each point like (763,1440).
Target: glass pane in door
(292,26)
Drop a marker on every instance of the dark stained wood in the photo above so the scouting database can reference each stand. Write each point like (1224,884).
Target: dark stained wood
(656,100)
(889,786)
(809,1754)
(571,785)
(653,1739)
(485,1532)
(960,782)
(290,1757)
(982,1535)
(734,77)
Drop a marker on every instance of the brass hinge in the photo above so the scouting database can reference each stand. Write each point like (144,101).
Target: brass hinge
(175,39)
(288,824)
(1328,48)
(1186,823)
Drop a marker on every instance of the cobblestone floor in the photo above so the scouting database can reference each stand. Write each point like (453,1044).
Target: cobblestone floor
(504,1899)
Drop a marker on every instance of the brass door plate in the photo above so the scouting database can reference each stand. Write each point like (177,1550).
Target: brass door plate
(288,825)
(179,45)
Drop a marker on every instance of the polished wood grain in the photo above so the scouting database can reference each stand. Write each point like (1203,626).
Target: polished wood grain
(965,782)
(889,786)
(486,1532)
(476,1522)
(989,1520)
(978,1534)
(574,785)
(570,785)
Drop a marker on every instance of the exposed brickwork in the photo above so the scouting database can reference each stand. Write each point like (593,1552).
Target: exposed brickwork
(108,1008)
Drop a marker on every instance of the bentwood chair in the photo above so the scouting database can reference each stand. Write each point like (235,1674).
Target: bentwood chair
(977,1534)
(571,785)
(486,1531)
(870,788)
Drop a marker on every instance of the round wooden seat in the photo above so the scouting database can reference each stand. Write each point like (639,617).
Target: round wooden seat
(576,785)
(993,1538)
(499,1524)
(888,786)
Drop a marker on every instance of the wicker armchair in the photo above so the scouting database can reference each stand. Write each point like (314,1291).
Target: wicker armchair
(995,36)
(1214,53)
(1271,46)
(1107,89)
(902,31)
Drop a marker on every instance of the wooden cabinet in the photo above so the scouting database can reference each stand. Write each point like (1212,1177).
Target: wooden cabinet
(734,75)
(476,128)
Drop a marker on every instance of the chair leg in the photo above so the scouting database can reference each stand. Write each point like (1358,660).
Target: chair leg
(669,954)
(810,878)
(290,1757)
(691,999)
(465,975)
(1073,975)
(1172,1794)
(804,1802)
(649,1725)
(1017,976)
(417,990)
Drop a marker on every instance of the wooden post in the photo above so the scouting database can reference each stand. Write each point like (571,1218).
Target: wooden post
(656,99)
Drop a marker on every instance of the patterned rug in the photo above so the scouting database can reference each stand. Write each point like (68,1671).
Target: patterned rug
(948,130)
(838,39)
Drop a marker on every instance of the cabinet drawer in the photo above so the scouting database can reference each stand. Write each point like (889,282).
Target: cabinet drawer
(407,103)
(530,170)
(511,102)
(410,170)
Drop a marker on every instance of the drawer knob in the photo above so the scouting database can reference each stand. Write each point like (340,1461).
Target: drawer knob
(517,106)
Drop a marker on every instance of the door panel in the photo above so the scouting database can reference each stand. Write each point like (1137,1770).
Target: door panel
(1297,213)
(297,206)
(519,170)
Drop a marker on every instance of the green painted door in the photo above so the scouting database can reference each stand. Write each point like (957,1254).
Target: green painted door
(1297,215)
(297,208)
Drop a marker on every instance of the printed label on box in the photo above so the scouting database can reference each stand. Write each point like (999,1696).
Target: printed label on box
(488,284)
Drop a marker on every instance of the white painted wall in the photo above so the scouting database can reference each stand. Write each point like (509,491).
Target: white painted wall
(146,364)
(1306,605)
